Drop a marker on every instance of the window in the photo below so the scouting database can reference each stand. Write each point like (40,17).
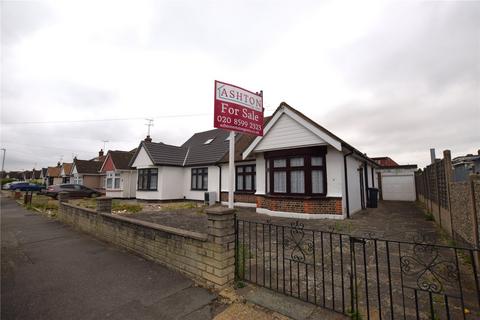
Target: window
(77,180)
(147,179)
(199,179)
(113,180)
(296,172)
(246,178)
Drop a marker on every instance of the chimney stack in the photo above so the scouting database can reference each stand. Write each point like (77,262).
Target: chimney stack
(432,155)
(100,153)
(148,139)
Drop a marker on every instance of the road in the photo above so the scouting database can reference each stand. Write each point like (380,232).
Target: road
(50,271)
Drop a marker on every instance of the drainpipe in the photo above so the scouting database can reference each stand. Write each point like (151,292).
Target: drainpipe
(219,183)
(366,182)
(346,183)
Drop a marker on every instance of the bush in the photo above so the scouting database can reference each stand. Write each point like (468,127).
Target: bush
(7,180)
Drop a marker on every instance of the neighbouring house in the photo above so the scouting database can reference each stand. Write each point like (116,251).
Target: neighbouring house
(43,175)
(385,161)
(87,173)
(66,172)
(297,169)
(120,178)
(53,175)
(464,166)
(36,174)
(18,175)
(27,175)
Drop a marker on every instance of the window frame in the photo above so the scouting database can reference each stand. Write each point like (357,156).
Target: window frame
(252,173)
(201,172)
(147,173)
(307,168)
(113,176)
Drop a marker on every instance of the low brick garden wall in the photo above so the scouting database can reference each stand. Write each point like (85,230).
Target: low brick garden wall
(208,258)
(239,197)
(312,206)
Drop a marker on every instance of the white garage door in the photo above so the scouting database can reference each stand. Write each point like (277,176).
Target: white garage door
(398,187)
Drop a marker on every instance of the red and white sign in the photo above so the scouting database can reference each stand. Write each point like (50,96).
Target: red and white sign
(238,109)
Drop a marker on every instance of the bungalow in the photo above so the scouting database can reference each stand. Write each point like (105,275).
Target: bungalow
(297,169)
(43,175)
(66,172)
(36,174)
(87,173)
(53,175)
(120,178)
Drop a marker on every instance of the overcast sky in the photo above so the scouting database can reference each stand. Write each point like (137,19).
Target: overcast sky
(391,78)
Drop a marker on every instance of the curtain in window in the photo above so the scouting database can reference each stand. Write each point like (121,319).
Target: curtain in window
(153,181)
(296,162)
(248,182)
(279,181)
(297,181)
(117,183)
(109,183)
(317,181)
(239,182)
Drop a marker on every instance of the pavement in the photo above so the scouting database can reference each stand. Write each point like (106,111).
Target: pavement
(288,307)
(50,271)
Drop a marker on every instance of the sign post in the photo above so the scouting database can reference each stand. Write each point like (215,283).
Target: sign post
(237,109)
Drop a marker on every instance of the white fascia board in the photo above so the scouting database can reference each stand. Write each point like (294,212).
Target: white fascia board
(105,161)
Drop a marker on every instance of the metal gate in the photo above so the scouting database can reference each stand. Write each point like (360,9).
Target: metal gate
(363,277)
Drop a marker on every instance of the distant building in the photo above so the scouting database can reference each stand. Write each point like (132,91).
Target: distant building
(463,166)
(385,161)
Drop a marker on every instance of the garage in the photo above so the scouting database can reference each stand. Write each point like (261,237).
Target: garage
(398,183)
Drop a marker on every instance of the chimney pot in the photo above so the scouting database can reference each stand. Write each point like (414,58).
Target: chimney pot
(148,139)
(100,153)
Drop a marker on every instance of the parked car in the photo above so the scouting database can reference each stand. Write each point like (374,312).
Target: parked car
(73,191)
(25,186)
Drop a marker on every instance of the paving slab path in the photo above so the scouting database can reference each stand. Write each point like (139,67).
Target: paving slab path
(50,271)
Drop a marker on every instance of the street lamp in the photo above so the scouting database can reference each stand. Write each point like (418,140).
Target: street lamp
(3,160)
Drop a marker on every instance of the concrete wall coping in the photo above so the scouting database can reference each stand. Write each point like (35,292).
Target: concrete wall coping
(150,225)
(220,211)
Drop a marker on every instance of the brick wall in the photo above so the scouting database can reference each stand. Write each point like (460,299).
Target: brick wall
(313,206)
(239,197)
(206,258)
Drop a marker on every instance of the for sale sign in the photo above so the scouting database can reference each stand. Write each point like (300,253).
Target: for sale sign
(238,109)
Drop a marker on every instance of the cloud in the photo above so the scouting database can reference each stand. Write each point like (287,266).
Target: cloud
(21,18)
(391,78)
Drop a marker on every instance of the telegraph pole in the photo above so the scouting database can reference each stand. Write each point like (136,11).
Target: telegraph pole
(3,160)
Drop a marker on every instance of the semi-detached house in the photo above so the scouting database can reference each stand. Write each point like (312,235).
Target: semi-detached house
(296,169)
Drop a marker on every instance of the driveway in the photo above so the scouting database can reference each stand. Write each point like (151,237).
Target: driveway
(49,271)
(393,220)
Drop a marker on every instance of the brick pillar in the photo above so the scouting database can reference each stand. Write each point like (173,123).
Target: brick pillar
(104,205)
(221,239)
(62,197)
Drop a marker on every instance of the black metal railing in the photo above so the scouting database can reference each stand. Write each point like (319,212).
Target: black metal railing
(363,277)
